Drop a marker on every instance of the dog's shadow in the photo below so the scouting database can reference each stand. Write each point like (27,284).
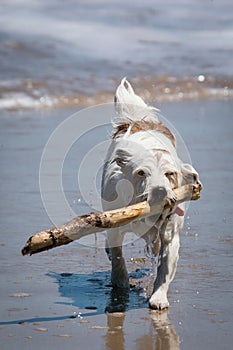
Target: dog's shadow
(95,294)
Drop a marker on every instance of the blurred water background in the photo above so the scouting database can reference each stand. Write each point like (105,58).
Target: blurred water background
(74,52)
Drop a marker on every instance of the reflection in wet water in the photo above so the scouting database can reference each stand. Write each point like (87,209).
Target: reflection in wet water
(167,337)
(118,301)
(115,338)
(94,292)
(93,295)
(161,334)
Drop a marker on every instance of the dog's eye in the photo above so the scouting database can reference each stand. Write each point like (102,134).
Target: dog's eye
(119,161)
(141,173)
(169,174)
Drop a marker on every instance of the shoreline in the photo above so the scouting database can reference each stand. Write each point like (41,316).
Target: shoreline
(37,95)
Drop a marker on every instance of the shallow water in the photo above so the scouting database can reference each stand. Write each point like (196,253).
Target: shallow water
(60,298)
(74,52)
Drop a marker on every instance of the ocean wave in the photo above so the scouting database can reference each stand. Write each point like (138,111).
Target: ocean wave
(28,94)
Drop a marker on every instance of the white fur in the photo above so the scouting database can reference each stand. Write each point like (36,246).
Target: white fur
(152,154)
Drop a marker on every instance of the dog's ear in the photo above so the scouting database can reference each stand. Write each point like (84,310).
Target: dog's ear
(131,107)
(190,175)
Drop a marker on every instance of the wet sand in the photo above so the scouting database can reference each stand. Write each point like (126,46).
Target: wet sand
(62,298)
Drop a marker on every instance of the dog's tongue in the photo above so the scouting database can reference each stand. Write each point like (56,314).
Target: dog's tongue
(179,211)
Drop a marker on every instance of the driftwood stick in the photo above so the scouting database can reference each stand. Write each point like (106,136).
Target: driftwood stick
(97,222)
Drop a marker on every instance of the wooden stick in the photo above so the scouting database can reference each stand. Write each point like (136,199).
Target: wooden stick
(97,222)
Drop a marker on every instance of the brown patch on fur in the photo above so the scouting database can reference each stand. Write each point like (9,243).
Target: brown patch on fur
(173,179)
(143,125)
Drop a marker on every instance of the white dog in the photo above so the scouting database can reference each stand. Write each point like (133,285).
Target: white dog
(142,164)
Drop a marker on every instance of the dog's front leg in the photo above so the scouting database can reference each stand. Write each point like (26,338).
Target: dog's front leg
(119,277)
(168,258)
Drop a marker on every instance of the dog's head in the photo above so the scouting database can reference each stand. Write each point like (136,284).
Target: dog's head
(151,175)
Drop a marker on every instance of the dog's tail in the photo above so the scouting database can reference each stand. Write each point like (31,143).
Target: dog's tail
(131,107)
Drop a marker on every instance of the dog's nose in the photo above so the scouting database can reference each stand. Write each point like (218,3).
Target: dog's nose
(158,194)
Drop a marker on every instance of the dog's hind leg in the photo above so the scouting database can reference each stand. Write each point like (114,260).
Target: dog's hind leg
(119,277)
(168,258)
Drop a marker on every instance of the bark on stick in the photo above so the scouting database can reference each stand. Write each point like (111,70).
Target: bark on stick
(96,222)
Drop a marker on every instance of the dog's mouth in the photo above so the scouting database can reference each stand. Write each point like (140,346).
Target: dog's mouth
(144,197)
(141,197)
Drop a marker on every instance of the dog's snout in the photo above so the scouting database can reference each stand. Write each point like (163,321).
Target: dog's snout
(158,194)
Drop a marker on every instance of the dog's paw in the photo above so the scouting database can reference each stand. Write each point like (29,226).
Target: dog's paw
(158,301)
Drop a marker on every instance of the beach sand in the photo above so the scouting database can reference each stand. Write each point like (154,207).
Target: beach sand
(62,298)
